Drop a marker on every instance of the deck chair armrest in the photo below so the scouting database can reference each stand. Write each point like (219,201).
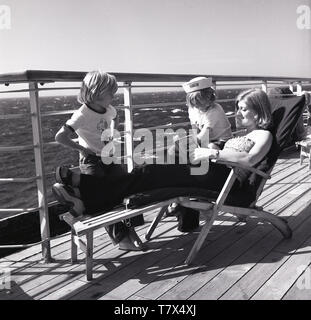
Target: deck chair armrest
(243,166)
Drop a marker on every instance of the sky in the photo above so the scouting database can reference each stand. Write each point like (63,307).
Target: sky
(220,37)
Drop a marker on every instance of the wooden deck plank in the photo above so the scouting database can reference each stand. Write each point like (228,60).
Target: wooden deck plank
(174,261)
(67,271)
(225,279)
(112,262)
(157,256)
(285,276)
(33,253)
(99,270)
(277,190)
(248,285)
(211,267)
(301,289)
(174,274)
(282,170)
(283,279)
(31,275)
(30,271)
(188,284)
(127,268)
(230,275)
(208,253)
(239,261)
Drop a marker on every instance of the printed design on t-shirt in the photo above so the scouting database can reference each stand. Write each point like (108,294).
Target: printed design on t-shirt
(199,125)
(102,125)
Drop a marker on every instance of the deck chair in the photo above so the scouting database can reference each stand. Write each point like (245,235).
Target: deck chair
(286,112)
(242,203)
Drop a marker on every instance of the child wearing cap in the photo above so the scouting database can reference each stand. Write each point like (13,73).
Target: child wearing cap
(205,115)
(90,123)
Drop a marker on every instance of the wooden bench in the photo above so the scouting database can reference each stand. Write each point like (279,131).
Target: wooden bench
(82,228)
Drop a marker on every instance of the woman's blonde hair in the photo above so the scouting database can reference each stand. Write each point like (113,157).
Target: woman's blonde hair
(201,98)
(258,101)
(96,84)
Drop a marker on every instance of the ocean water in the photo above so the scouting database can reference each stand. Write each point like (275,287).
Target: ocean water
(17,132)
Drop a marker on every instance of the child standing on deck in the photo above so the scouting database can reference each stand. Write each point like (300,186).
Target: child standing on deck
(89,122)
(205,115)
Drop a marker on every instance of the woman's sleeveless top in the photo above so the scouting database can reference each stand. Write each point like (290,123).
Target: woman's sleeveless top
(239,144)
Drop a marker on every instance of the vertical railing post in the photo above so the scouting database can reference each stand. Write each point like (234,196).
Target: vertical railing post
(39,162)
(128,125)
(264,86)
(299,89)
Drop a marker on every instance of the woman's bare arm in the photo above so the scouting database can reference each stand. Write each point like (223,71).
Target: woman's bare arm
(262,139)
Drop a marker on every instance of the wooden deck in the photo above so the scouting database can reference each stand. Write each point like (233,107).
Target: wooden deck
(238,261)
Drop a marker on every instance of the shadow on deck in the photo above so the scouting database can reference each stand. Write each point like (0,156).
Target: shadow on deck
(238,260)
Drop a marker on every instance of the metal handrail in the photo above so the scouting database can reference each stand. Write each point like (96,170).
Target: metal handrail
(43,76)
(19,180)
(16,148)
(20,210)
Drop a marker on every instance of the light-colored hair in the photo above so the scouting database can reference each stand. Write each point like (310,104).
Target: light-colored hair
(96,84)
(258,101)
(201,98)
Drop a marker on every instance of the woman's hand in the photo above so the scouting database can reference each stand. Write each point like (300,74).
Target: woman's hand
(204,154)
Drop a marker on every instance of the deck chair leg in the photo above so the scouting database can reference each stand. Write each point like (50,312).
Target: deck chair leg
(240,217)
(89,255)
(155,222)
(74,248)
(203,234)
(278,222)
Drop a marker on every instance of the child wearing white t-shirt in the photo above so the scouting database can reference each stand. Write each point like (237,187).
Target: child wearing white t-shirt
(95,116)
(205,115)
(90,123)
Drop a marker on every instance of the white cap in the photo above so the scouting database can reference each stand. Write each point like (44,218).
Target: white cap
(197,84)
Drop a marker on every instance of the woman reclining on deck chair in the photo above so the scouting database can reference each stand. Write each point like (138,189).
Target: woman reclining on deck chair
(88,194)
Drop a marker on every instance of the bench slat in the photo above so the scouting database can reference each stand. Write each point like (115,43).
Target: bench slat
(82,227)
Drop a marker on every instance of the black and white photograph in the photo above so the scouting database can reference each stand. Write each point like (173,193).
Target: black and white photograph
(155,154)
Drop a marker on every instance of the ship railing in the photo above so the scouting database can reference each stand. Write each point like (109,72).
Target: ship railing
(36,82)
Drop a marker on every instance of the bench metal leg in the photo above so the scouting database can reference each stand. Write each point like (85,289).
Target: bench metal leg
(301,157)
(74,248)
(155,222)
(89,255)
